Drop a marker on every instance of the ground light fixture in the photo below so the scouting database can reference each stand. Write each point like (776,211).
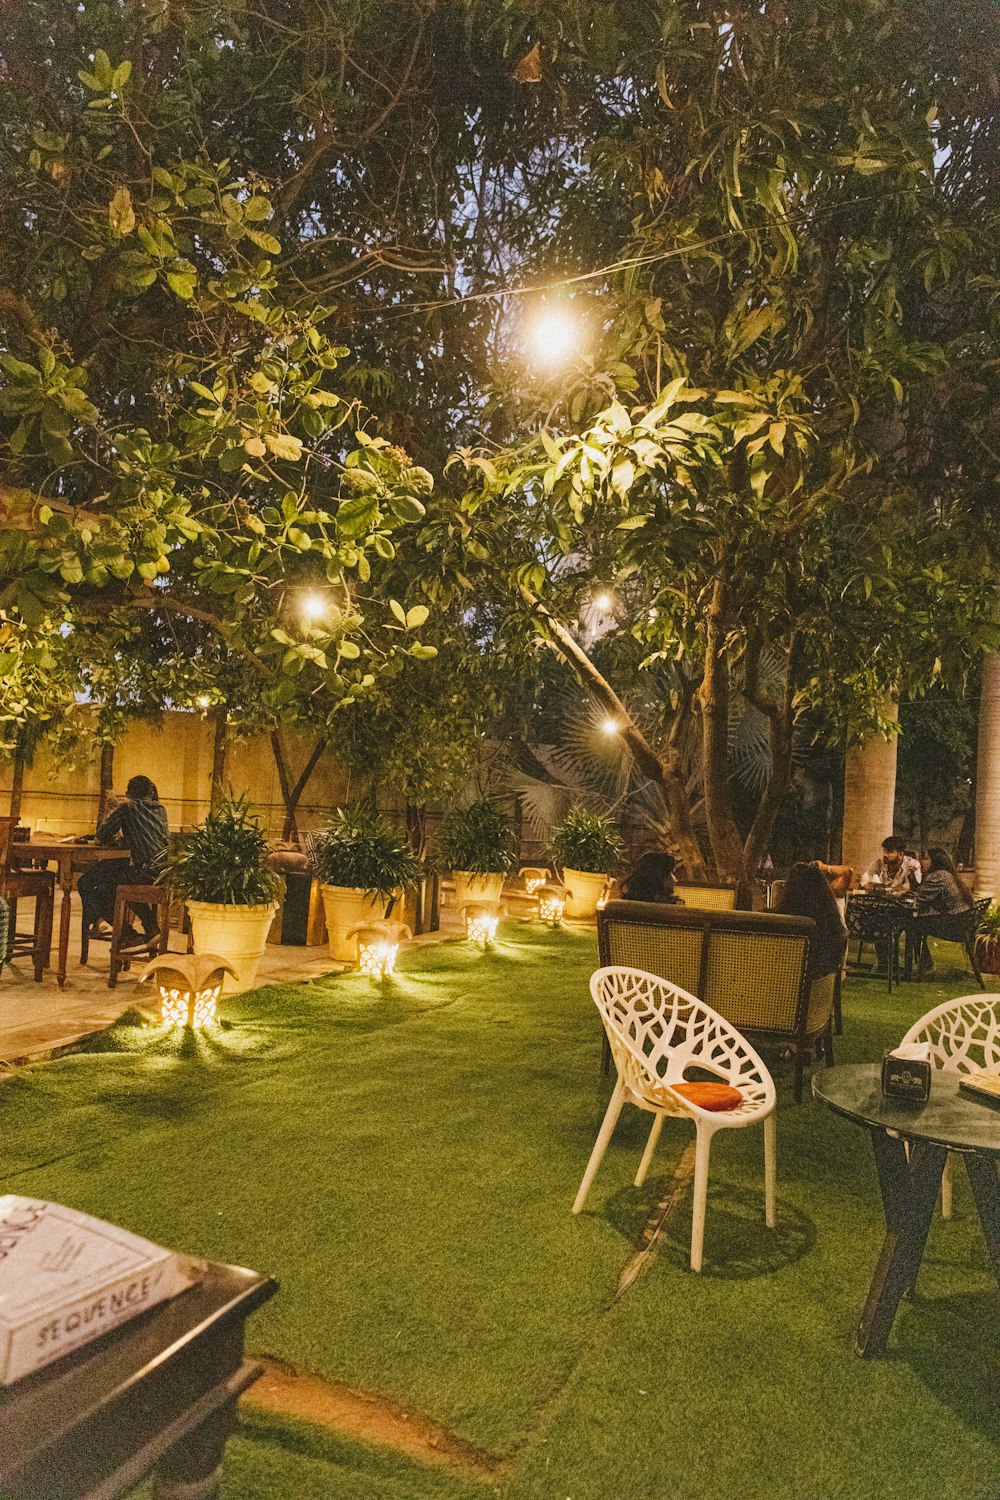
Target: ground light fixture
(481,919)
(189,986)
(534,877)
(552,902)
(378,946)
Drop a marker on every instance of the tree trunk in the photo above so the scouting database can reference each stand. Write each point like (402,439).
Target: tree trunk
(219,747)
(988,782)
(668,777)
(292,794)
(107,780)
(780,725)
(869,794)
(723,833)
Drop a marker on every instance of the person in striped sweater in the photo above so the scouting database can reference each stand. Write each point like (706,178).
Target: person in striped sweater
(140,824)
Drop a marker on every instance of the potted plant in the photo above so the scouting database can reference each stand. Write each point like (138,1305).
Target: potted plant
(363,862)
(588,849)
(988,939)
(220,872)
(477,846)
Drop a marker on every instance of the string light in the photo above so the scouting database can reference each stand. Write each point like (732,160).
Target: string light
(610,726)
(313,607)
(553,336)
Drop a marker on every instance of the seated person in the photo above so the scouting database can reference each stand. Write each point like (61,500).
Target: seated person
(840,878)
(808,894)
(140,825)
(652,879)
(894,870)
(942,895)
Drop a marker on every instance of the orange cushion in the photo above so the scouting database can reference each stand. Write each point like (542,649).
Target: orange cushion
(714,1096)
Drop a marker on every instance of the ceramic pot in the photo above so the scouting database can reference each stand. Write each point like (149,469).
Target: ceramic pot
(471,887)
(346,909)
(235,933)
(585,889)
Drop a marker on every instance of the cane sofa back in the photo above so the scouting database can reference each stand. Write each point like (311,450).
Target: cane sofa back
(705,896)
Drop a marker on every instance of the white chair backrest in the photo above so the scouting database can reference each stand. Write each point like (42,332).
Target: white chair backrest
(656,1030)
(964,1034)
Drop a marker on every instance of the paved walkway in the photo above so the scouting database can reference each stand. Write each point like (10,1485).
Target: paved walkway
(37,1019)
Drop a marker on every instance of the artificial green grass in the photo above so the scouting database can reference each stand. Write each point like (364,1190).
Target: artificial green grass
(403,1160)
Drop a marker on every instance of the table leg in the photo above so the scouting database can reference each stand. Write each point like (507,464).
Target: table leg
(909,1193)
(64,915)
(193,1470)
(984,1179)
(909,942)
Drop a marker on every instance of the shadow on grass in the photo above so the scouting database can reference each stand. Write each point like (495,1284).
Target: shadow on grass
(951,1345)
(738,1244)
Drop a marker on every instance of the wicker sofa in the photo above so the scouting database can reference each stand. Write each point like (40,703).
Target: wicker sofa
(751,967)
(706,895)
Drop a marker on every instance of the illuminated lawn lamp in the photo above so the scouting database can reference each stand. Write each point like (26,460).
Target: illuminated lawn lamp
(189,986)
(533,878)
(481,919)
(551,902)
(378,945)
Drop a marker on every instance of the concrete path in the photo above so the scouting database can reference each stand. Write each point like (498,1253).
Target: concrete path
(39,1019)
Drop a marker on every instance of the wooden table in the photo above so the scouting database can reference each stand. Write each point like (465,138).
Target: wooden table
(158,1394)
(948,1121)
(70,859)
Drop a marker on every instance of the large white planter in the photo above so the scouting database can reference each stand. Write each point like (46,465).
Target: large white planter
(346,908)
(237,933)
(585,889)
(472,887)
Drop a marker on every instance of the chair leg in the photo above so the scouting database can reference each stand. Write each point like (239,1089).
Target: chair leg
(703,1146)
(38,933)
(828,1045)
(604,1135)
(117,925)
(947,1179)
(647,1155)
(971,951)
(770,1169)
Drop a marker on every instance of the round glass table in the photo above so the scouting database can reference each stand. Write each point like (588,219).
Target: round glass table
(911,1141)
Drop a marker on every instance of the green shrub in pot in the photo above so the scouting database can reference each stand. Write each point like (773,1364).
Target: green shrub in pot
(363,862)
(588,849)
(477,845)
(231,895)
(988,939)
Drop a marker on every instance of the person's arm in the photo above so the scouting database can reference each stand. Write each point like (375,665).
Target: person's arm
(111,826)
(840,878)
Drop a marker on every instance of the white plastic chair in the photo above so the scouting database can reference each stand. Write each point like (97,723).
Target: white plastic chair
(964,1037)
(657,1031)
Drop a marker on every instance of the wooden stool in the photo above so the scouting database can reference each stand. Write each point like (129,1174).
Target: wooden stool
(39,886)
(127,897)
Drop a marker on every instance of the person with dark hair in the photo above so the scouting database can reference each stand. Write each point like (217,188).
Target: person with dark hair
(895,871)
(807,893)
(652,879)
(942,895)
(140,825)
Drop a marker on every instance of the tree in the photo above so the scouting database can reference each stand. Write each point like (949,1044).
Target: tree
(817,287)
(172,442)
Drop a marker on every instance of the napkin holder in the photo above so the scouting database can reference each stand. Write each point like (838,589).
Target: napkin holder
(906,1073)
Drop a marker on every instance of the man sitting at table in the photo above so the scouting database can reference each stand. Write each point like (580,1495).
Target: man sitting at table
(895,871)
(140,825)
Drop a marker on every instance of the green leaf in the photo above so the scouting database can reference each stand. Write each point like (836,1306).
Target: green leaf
(264,241)
(416,616)
(398,611)
(406,508)
(348,649)
(357,515)
(183,283)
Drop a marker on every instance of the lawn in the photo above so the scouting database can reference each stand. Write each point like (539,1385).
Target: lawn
(403,1160)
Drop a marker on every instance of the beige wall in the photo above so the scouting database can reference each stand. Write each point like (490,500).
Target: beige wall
(177,754)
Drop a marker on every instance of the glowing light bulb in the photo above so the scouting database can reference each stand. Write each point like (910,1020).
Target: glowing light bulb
(553,336)
(610,726)
(313,606)
(203,700)
(603,602)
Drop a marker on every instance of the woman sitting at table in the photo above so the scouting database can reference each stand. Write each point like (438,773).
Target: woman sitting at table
(139,824)
(652,879)
(941,896)
(807,893)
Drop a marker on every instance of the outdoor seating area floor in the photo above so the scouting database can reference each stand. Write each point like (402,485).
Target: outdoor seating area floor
(402,1158)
